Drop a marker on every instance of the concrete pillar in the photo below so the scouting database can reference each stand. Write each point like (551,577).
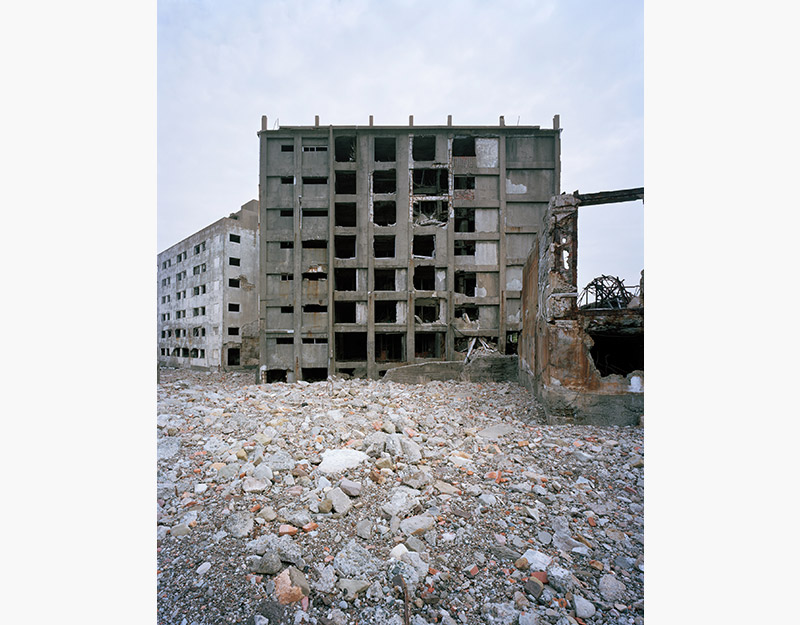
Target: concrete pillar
(370,120)
(502,120)
(449,120)
(263,122)
(316,120)
(410,120)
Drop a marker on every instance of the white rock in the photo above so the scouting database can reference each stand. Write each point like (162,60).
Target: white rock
(203,568)
(583,607)
(537,560)
(399,550)
(335,460)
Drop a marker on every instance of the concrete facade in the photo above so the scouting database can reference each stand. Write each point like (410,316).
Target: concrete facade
(383,246)
(584,363)
(208,296)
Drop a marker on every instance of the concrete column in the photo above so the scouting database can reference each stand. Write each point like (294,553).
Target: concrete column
(297,288)
(331,217)
(501,251)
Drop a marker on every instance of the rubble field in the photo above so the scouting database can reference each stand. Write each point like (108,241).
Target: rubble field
(361,501)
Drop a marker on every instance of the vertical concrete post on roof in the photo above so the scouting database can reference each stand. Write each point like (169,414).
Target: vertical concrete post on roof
(502,120)
(410,120)
(370,120)
(449,120)
(263,122)
(316,121)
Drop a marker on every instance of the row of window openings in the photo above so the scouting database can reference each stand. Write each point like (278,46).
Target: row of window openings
(184,352)
(423,148)
(181,314)
(424,279)
(424,181)
(384,213)
(181,333)
(179,295)
(200,247)
(386,311)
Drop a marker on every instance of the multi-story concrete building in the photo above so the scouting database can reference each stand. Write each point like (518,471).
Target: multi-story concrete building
(207,295)
(388,245)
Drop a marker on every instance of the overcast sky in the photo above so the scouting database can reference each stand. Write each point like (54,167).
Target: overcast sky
(221,66)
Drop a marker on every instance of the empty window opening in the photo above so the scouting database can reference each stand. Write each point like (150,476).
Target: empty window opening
(344,246)
(315,308)
(315,212)
(384,280)
(311,341)
(315,374)
(424,278)
(463,182)
(345,182)
(193,353)
(233,356)
(184,352)
(287,310)
(202,353)
(383,246)
(310,180)
(464,248)
(287,147)
(276,375)
(464,146)
(344,149)
(428,344)
(284,340)
(287,245)
(287,212)
(233,282)
(426,312)
(350,346)
(345,214)
(424,148)
(464,219)
(344,279)
(385,149)
(385,312)
(315,276)
(285,277)
(234,261)
(233,331)
(470,311)
(617,353)
(176,351)
(234,238)
(344,312)
(287,179)
(200,247)
(465,283)
(315,148)
(424,245)
(315,244)
(384,181)
(430,213)
(384,213)
(233,307)
(389,347)
(430,181)
(512,343)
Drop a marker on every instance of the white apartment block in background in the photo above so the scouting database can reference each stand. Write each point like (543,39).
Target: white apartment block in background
(208,296)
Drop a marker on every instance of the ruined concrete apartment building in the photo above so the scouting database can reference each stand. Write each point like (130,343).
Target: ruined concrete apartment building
(383,246)
(207,295)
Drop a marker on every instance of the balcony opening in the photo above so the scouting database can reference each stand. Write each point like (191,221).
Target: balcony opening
(315,374)
(385,149)
(344,246)
(430,181)
(384,181)
(276,375)
(426,311)
(424,245)
(430,213)
(385,311)
(470,310)
(384,280)
(345,214)
(425,278)
(463,248)
(233,356)
(463,182)
(464,219)
(465,283)
(423,148)
(344,279)
(429,344)
(619,354)
(384,213)
(345,149)
(344,312)
(383,246)
(350,346)
(464,146)
(389,347)
(345,182)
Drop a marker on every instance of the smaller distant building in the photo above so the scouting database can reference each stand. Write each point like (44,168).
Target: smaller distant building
(208,296)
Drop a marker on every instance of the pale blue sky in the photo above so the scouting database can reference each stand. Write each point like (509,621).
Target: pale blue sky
(223,65)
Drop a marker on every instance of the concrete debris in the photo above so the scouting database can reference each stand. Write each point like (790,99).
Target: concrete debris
(380,502)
